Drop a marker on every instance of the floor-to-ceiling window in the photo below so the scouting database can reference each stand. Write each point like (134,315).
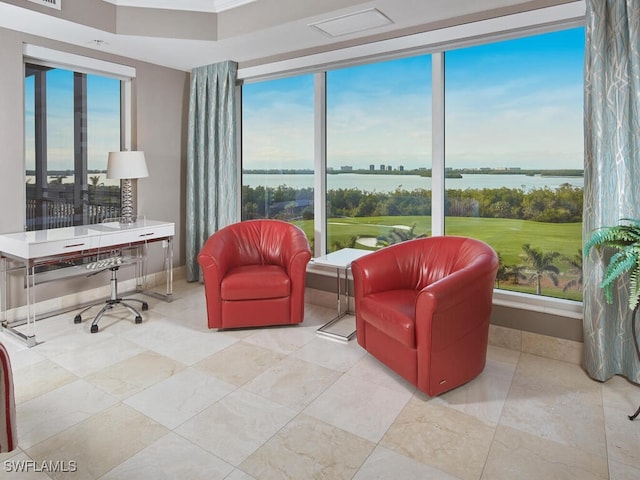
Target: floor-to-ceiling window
(511,153)
(72,121)
(277,150)
(378,153)
(514,156)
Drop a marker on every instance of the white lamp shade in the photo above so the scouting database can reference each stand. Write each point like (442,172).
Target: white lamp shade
(127,165)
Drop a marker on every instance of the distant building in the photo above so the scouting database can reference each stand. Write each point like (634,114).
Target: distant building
(372,167)
(401,168)
(382,167)
(389,168)
(346,168)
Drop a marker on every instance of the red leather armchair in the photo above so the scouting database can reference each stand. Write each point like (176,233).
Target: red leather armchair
(423,308)
(254,274)
(8,428)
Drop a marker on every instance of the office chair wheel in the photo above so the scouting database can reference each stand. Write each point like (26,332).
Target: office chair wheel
(77,319)
(94,328)
(139,319)
(145,306)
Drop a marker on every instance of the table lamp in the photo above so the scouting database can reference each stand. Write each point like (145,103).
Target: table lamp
(125,166)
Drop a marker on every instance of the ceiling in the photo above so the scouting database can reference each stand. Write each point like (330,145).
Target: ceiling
(184,34)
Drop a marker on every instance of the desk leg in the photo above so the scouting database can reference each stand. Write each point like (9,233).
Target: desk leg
(169,254)
(31,305)
(141,252)
(29,271)
(168,260)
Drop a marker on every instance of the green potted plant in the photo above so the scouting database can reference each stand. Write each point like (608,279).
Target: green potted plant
(625,238)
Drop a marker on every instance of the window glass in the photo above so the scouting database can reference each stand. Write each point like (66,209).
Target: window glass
(72,121)
(378,153)
(514,157)
(277,151)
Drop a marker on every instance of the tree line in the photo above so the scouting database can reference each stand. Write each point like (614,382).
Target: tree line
(560,205)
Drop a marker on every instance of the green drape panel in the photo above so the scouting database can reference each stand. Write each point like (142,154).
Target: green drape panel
(612,174)
(212,170)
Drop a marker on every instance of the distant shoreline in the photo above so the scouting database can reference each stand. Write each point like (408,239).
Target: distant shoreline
(453,173)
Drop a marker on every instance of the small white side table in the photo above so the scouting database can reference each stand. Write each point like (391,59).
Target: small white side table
(341,261)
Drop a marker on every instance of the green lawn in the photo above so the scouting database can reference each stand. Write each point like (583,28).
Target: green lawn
(506,236)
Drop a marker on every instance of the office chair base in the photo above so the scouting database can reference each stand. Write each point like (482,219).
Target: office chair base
(109,305)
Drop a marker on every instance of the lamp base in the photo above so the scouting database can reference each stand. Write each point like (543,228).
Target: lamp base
(126,203)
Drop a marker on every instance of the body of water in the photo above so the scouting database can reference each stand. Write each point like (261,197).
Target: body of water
(102,180)
(389,183)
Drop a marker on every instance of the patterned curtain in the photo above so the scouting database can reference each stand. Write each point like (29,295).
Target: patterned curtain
(211,157)
(612,173)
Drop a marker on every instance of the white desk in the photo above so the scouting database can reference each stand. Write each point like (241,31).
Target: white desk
(340,327)
(29,250)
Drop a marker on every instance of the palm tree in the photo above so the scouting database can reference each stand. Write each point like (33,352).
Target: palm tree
(542,264)
(514,272)
(94,180)
(503,271)
(576,267)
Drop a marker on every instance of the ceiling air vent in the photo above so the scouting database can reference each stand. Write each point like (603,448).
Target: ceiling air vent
(49,3)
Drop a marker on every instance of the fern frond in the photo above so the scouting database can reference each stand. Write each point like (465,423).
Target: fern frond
(620,263)
(617,236)
(634,286)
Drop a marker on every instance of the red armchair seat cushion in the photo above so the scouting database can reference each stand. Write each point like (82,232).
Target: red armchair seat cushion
(393,313)
(255,282)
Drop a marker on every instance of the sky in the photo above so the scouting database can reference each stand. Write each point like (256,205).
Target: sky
(103,120)
(516,103)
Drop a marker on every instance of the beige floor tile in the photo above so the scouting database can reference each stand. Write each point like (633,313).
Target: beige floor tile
(620,471)
(336,356)
(171,457)
(292,382)
(180,397)
(20,355)
(236,426)
(621,398)
(442,437)
(516,454)
(59,409)
(191,346)
(39,378)
(131,376)
(310,449)
(238,474)
(99,443)
(359,407)
(233,400)
(239,363)
(95,356)
(372,370)
(17,465)
(556,401)
(484,397)
(283,340)
(383,464)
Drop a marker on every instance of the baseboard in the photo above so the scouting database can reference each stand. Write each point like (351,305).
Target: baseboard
(520,340)
(152,281)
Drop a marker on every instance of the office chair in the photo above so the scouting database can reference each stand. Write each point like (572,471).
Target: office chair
(114,259)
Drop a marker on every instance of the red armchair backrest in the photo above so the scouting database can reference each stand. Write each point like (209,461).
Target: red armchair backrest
(254,242)
(416,264)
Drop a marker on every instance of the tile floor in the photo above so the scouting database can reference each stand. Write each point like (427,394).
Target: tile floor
(170,399)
